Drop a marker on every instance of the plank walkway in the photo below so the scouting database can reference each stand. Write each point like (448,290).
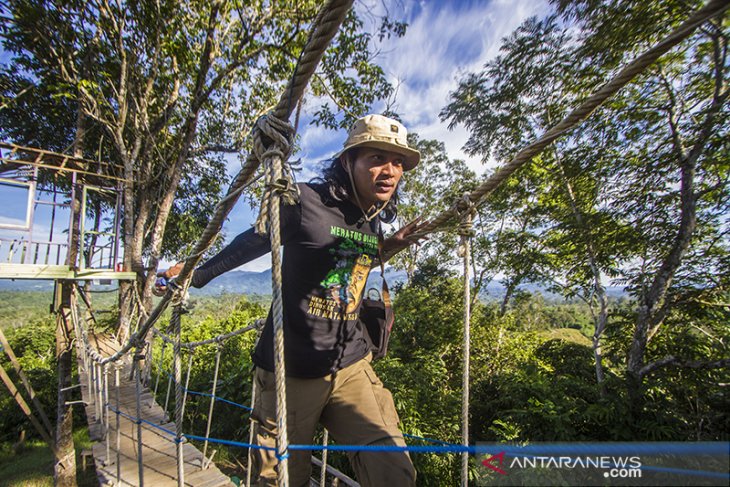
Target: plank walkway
(158,450)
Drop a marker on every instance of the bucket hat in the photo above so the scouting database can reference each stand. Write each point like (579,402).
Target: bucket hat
(382,133)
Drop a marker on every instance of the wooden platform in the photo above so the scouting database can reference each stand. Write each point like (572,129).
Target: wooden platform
(30,271)
(158,451)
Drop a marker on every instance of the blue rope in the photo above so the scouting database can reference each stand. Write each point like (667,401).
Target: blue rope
(137,420)
(230,442)
(683,448)
(206,394)
(216,398)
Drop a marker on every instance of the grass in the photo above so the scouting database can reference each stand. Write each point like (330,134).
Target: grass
(567,334)
(32,464)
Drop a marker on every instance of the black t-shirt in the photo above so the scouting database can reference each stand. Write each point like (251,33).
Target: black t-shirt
(328,251)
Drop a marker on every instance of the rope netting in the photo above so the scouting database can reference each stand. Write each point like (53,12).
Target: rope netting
(272,144)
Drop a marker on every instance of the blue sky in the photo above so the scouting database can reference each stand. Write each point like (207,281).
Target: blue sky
(444,40)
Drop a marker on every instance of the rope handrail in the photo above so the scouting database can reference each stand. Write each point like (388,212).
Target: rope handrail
(256,325)
(578,115)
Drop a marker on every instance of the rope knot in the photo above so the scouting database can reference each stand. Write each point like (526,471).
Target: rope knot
(464,210)
(272,145)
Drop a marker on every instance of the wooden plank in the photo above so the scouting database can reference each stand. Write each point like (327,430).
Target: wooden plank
(159,448)
(39,271)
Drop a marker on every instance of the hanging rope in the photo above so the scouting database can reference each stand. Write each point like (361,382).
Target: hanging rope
(280,179)
(275,171)
(466,232)
(574,118)
(212,401)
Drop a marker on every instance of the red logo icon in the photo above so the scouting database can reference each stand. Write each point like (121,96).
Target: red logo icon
(490,463)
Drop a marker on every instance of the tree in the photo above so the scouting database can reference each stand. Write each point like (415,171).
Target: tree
(639,188)
(175,86)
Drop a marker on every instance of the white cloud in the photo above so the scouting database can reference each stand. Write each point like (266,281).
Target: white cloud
(444,40)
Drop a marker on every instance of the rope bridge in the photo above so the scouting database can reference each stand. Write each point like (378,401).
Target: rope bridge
(272,144)
(137,440)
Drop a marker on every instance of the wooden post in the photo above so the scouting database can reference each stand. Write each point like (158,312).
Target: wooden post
(64,473)
(26,382)
(24,406)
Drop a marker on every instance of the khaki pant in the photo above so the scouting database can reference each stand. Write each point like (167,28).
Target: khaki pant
(354,407)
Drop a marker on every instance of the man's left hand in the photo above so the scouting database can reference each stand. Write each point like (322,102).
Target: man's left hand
(403,238)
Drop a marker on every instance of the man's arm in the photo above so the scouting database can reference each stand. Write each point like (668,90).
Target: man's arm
(246,247)
(402,239)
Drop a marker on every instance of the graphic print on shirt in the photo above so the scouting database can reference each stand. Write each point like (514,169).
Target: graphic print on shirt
(344,284)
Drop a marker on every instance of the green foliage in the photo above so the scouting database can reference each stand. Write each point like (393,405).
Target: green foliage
(34,345)
(20,308)
(212,318)
(31,464)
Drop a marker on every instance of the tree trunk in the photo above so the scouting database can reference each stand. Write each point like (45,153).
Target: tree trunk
(651,308)
(599,320)
(508,295)
(64,472)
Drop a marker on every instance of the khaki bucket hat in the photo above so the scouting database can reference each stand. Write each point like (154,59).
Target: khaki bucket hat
(382,133)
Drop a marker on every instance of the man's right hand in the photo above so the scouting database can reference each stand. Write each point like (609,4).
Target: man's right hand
(171,273)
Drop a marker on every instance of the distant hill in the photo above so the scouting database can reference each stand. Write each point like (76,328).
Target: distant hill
(246,282)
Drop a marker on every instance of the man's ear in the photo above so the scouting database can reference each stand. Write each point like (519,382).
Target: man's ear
(345,163)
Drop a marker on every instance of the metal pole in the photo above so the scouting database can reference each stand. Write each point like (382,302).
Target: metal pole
(138,393)
(251,423)
(159,368)
(177,374)
(212,401)
(106,412)
(323,473)
(187,385)
(119,432)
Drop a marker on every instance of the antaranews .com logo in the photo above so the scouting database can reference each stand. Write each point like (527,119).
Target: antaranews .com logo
(657,463)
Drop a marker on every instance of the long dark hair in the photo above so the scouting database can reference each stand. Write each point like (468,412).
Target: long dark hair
(338,184)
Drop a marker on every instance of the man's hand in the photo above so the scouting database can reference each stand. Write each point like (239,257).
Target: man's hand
(403,238)
(171,273)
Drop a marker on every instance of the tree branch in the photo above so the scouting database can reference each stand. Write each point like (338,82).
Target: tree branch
(673,361)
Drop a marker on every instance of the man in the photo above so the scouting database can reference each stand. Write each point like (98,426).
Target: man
(330,239)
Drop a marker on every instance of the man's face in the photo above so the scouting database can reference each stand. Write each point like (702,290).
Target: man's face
(376,173)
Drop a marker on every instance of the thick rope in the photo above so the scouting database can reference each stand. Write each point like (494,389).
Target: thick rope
(328,21)
(256,325)
(280,134)
(574,118)
(466,233)
(277,309)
